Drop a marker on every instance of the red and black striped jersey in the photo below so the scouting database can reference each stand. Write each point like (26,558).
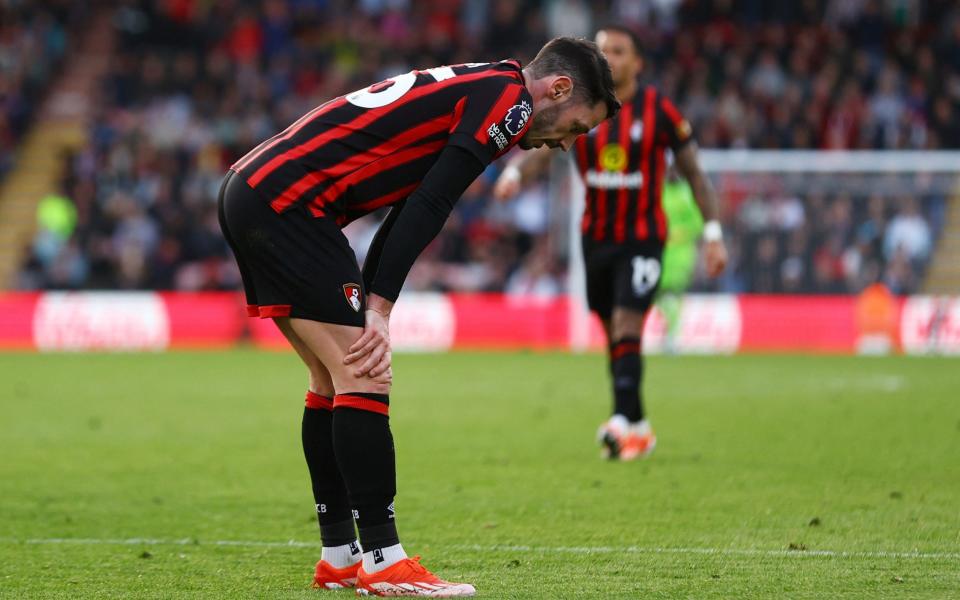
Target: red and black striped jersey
(622,165)
(371,148)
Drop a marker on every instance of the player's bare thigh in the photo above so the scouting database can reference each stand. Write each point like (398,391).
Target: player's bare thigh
(329,342)
(320,380)
(625,322)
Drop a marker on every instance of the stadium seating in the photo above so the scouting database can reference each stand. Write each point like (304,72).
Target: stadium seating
(32,47)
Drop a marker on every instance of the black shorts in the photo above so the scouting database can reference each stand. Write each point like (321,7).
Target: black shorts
(621,275)
(292,264)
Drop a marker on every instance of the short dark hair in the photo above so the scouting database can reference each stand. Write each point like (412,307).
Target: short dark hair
(630,33)
(581,61)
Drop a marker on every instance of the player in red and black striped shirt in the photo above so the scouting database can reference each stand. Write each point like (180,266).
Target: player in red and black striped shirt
(379,143)
(624,228)
(414,142)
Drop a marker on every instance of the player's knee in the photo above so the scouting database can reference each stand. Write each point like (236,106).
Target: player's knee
(626,323)
(368,385)
(320,382)
(381,387)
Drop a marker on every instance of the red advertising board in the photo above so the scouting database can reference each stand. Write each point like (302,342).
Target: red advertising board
(798,323)
(208,320)
(81,321)
(16,320)
(495,321)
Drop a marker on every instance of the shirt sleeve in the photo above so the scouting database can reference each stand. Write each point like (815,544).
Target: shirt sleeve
(375,251)
(675,129)
(410,228)
(491,117)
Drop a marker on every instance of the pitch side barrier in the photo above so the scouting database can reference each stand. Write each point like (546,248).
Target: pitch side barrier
(427,322)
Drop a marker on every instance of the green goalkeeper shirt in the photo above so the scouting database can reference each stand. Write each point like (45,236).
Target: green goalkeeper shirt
(684,227)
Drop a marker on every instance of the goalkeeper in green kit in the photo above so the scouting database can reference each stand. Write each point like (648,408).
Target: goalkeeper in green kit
(685,224)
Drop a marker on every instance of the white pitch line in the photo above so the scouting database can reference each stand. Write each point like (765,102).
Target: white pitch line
(159,542)
(713,551)
(504,548)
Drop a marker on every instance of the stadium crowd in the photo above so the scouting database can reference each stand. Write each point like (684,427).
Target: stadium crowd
(829,241)
(33,43)
(193,85)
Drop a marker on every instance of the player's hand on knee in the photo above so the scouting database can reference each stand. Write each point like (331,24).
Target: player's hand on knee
(381,366)
(373,345)
(385,376)
(376,362)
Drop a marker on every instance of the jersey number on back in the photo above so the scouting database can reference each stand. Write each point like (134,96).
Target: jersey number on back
(391,90)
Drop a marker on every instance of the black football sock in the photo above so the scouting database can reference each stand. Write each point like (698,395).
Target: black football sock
(329,490)
(626,368)
(364,448)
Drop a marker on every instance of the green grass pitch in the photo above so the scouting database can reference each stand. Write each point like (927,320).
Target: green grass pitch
(180,475)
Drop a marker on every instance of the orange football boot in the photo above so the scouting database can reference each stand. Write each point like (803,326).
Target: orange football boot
(329,577)
(626,441)
(409,578)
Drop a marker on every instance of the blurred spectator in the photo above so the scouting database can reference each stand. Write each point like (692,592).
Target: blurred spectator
(899,276)
(908,233)
(537,275)
(33,43)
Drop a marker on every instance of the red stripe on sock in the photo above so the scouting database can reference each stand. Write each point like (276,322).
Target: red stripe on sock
(360,403)
(623,349)
(314,400)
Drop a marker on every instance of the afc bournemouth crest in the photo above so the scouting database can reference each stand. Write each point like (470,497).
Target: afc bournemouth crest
(352,293)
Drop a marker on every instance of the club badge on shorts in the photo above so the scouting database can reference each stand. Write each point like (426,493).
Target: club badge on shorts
(352,293)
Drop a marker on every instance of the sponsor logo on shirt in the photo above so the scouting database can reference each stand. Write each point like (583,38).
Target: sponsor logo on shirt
(497,136)
(613,180)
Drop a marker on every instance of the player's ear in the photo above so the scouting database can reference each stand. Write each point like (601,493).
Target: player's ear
(561,88)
